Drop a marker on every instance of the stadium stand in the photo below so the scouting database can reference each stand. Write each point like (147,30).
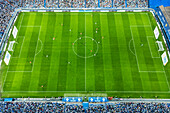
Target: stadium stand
(166,12)
(106,3)
(5,15)
(93,107)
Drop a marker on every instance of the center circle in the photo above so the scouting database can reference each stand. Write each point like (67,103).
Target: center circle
(85,47)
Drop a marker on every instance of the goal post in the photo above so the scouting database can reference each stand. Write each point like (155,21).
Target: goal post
(10,47)
(160,45)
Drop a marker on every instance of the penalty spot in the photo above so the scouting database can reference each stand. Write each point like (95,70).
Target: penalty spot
(46,55)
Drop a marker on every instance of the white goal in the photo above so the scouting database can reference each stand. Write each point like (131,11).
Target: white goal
(161,48)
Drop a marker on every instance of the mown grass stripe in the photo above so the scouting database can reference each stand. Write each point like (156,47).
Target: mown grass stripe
(90,76)
(123,53)
(137,81)
(72,58)
(45,63)
(139,58)
(26,79)
(147,60)
(53,79)
(80,76)
(98,59)
(52,27)
(17,82)
(130,58)
(34,82)
(107,65)
(117,74)
(62,73)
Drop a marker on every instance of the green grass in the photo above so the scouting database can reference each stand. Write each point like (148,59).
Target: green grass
(81,60)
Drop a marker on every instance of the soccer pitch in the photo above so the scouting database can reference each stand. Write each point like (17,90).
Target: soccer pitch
(83,53)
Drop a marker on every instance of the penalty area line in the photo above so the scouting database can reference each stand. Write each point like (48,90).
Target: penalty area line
(130,48)
(134,48)
(36,48)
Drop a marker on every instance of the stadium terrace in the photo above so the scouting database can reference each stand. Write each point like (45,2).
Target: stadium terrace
(84,56)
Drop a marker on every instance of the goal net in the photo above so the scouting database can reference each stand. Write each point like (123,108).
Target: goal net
(11,43)
(161,48)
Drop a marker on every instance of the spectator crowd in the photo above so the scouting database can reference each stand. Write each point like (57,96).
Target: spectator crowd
(93,107)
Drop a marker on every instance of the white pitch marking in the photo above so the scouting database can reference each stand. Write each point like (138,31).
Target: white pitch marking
(150,48)
(152,71)
(149,21)
(30,26)
(21,47)
(130,49)
(40,49)
(135,49)
(21,21)
(19,71)
(36,48)
(85,52)
(161,92)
